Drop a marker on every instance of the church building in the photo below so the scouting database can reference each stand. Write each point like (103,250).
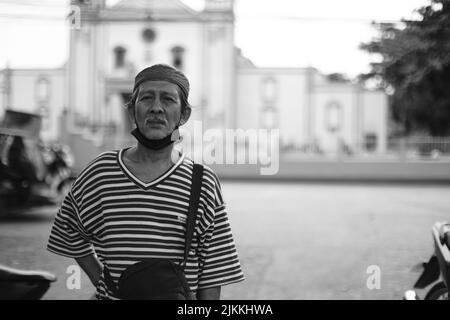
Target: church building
(110,44)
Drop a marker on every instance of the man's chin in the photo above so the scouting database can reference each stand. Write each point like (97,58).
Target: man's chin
(155,136)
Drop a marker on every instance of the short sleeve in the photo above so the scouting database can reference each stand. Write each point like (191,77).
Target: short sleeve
(67,236)
(219,261)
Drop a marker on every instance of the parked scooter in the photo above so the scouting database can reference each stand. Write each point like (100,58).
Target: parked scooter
(32,172)
(18,284)
(437,270)
(42,178)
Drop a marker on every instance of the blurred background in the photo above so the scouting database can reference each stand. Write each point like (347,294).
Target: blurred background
(357,89)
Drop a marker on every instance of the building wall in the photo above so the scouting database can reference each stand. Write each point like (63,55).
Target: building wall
(344,97)
(289,101)
(375,117)
(24,96)
(248,99)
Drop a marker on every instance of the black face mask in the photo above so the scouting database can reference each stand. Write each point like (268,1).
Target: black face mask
(156,144)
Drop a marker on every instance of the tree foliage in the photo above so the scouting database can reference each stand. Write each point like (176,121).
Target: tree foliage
(415,68)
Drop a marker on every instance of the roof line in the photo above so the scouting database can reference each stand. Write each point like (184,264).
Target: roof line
(121,5)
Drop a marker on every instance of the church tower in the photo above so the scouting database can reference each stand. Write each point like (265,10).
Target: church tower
(219,66)
(85,96)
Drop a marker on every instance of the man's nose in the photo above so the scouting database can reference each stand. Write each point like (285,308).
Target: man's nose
(156,106)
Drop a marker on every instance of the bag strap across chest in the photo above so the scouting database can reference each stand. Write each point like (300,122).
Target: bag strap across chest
(194,198)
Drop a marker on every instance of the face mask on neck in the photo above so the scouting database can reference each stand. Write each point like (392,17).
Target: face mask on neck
(156,144)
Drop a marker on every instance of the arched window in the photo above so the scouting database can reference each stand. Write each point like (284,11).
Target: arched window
(269,95)
(42,90)
(333,116)
(269,90)
(119,56)
(178,57)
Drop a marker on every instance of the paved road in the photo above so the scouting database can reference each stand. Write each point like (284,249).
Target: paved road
(295,241)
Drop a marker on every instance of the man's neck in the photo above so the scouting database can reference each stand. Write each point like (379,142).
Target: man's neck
(146,164)
(163,156)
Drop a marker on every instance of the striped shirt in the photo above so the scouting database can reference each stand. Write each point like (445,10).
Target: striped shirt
(109,212)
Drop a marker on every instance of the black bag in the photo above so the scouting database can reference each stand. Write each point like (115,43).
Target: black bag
(157,278)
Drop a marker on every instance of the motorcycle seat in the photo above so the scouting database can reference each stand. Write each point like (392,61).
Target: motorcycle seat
(11,274)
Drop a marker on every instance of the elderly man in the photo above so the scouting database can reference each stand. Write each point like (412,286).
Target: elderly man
(131,204)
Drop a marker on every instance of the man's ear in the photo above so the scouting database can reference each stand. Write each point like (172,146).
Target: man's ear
(131,114)
(131,106)
(185,114)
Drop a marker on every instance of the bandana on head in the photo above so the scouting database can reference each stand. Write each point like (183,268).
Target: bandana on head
(161,72)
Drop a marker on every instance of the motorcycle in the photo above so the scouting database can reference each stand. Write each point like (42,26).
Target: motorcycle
(437,270)
(33,173)
(18,284)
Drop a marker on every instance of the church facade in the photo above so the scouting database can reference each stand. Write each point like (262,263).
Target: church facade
(110,44)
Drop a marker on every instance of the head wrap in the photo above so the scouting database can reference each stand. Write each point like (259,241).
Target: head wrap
(164,72)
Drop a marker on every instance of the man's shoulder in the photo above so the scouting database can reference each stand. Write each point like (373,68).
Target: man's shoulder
(106,155)
(102,159)
(106,158)
(209,175)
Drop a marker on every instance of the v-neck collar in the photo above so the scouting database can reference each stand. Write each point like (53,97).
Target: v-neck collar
(139,182)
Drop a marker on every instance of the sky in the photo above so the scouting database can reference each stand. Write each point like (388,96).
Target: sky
(324,34)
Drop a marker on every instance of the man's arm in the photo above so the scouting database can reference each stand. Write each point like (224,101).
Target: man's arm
(92,267)
(209,294)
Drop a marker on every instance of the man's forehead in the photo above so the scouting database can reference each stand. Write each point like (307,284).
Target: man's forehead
(158,85)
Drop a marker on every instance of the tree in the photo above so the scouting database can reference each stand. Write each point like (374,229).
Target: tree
(415,69)
(338,77)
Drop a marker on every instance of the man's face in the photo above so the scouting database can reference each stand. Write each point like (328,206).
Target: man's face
(157,110)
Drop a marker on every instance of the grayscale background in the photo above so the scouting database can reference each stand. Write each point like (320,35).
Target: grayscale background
(355,91)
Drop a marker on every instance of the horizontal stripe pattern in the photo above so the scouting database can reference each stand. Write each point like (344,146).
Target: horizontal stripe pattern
(123,220)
